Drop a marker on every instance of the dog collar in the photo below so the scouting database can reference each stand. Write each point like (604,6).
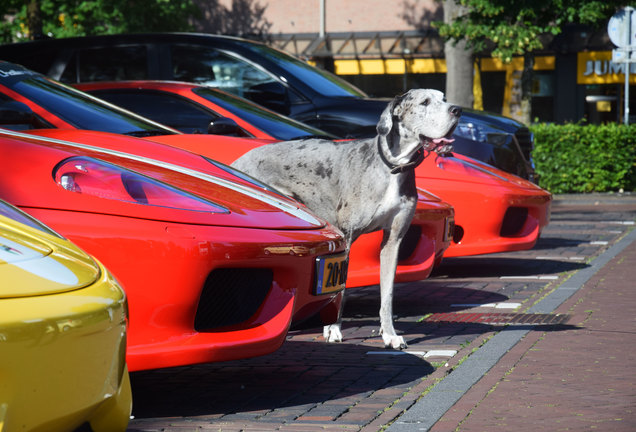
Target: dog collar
(418,158)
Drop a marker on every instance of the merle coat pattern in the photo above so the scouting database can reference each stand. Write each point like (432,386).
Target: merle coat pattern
(363,185)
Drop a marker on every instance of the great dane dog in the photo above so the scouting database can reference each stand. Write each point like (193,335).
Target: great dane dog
(363,185)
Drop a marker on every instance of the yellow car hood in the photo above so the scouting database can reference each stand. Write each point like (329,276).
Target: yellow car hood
(31,265)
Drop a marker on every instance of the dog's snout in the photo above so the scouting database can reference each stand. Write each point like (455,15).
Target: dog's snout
(455,110)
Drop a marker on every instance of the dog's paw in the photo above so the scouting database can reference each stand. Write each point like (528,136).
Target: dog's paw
(394,341)
(332,333)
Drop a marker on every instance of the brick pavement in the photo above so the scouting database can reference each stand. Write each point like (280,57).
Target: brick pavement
(308,385)
(572,378)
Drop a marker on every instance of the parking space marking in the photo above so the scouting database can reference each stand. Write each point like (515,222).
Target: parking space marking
(440,353)
(424,354)
(542,277)
(558,258)
(502,305)
(398,353)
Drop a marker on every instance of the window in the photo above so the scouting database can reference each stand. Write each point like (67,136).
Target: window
(161,107)
(107,64)
(215,68)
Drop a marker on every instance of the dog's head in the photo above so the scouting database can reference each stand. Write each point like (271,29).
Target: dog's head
(420,115)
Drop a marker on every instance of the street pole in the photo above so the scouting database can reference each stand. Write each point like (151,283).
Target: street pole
(621,30)
(628,65)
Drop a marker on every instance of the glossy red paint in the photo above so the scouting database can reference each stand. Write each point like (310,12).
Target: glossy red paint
(432,214)
(481,196)
(480,200)
(431,221)
(432,228)
(168,259)
(494,211)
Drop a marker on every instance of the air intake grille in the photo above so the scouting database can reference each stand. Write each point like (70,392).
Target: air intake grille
(514,220)
(231,296)
(409,242)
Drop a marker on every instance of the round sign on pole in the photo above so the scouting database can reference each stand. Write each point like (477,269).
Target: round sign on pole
(621,28)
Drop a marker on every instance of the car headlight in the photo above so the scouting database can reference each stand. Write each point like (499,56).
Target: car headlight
(482,133)
(94,177)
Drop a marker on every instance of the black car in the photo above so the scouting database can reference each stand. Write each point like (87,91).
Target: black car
(263,74)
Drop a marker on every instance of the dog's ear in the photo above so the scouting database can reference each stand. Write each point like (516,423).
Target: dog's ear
(392,110)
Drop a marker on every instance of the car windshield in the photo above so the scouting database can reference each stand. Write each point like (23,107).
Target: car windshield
(278,126)
(78,109)
(322,81)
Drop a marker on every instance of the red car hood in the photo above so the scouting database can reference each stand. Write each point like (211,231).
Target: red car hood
(471,171)
(30,161)
(233,148)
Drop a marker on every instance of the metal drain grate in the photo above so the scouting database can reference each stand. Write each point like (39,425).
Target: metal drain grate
(499,318)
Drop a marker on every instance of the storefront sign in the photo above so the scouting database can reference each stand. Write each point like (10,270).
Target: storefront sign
(597,67)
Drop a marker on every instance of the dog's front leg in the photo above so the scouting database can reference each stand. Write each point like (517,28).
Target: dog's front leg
(388,265)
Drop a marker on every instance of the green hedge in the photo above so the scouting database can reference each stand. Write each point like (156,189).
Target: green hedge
(575,158)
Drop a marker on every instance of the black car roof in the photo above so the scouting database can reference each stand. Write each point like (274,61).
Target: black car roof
(78,41)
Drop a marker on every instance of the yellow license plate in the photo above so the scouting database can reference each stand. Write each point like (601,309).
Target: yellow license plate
(331,273)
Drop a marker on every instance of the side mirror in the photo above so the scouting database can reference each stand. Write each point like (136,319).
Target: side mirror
(15,113)
(224,126)
(272,95)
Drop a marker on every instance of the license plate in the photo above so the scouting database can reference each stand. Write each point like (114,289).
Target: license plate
(331,273)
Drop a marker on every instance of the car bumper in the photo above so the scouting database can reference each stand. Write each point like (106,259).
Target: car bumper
(496,219)
(421,250)
(63,360)
(202,294)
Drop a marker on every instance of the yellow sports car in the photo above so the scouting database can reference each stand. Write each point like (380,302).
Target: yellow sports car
(62,334)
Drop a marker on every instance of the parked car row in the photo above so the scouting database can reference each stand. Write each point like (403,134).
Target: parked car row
(215,265)
(263,74)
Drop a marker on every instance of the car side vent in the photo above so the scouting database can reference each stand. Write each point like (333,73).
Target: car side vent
(231,296)
(409,242)
(513,221)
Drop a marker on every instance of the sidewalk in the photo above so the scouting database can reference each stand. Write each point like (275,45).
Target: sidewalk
(576,377)
(581,378)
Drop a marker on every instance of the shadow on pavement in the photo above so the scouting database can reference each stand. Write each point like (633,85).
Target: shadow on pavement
(494,267)
(298,373)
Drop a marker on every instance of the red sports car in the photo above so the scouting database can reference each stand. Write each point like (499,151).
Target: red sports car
(494,211)
(214,269)
(38,104)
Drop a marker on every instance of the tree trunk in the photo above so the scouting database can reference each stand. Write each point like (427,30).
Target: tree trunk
(527,77)
(459,62)
(34,19)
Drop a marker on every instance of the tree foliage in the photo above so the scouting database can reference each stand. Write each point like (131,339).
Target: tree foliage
(509,28)
(64,18)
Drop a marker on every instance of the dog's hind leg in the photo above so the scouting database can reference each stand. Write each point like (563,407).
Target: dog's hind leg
(388,265)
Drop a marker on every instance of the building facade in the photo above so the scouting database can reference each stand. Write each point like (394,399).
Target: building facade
(388,46)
